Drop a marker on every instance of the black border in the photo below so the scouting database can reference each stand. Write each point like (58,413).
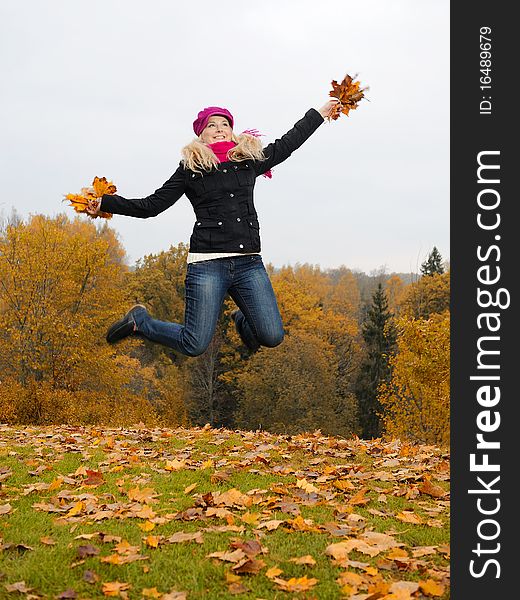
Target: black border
(471,133)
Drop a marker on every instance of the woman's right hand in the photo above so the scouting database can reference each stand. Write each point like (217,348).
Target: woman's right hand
(93,205)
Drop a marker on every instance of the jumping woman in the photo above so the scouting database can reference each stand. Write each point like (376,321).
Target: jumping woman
(217,174)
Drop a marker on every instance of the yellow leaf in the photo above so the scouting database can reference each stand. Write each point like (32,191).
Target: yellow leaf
(76,509)
(251,518)
(409,517)
(190,488)
(151,593)
(296,584)
(146,495)
(431,588)
(147,526)
(344,484)
(397,553)
(55,484)
(273,572)
(306,486)
(152,541)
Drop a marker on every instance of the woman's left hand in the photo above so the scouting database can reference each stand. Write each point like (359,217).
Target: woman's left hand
(326,109)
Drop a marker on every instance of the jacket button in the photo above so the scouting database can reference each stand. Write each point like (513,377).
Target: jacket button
(235,167)
(250,223)
(198,223)
(241,245)
(231,195)
(220,222)
(238,219)
(224,170)
(193,175)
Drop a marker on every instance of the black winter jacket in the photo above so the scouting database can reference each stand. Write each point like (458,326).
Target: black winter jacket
(222,198)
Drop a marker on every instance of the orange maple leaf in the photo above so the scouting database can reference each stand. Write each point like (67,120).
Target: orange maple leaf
(348,93)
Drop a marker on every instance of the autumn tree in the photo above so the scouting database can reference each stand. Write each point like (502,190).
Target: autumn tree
(433,264)
(395,290)
(61,285)
(292,389)
(379,335)
(416,400)
(429,295)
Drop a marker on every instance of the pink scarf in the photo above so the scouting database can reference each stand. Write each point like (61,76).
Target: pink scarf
(221,149)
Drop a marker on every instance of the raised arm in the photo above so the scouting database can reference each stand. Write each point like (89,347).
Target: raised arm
(143,208)
(282,148)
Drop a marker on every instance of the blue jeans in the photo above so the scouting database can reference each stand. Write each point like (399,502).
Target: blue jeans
(245,279)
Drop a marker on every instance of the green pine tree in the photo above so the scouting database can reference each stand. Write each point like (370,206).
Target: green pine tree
(433,264)
(380,340)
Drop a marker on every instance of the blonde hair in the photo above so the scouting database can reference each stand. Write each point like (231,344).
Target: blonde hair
(198,157)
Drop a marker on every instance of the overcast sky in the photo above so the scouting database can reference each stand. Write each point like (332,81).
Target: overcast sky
(111,88)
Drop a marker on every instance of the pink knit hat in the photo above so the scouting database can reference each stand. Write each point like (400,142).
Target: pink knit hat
(202,118)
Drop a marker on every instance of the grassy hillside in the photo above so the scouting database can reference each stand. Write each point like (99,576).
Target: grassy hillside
(203,513)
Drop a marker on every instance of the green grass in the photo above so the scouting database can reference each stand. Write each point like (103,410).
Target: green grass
(51,570)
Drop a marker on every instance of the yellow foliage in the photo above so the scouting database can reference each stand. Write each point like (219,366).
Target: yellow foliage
(416,402)
(62,285)
(429,295)
(395,292)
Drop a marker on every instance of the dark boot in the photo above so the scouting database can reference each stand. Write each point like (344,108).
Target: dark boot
(124,327)
(240,321)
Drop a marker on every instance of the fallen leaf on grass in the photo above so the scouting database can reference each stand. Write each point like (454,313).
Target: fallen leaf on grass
(251,518)
(273,572)
(175,596)
(94,478)
(427,487)
(152,540)
(235,585)
(270,525)
(343,485)
(350,578)
(359,498)
(408,586)
(112,588)
(306,486)
(90,577)
(146,526)
(19,586)
(431,587)
(69,594)
(251,566)
(300,584)
(78,508)
(151,593)
(5,509)
(180,537)
(48,541)
(419,551)
(87,550)
(146,495)
(304,560)
(408,516)
(174,465)
(227,556)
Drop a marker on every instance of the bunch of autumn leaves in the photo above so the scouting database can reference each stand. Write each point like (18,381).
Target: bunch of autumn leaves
(348,92)
(81,201)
